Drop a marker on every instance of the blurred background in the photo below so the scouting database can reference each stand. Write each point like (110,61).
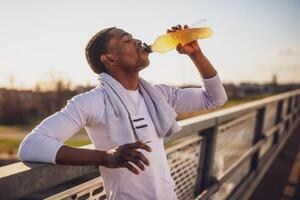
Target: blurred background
(255,49)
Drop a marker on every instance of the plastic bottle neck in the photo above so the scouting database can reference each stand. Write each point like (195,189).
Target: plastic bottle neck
(147,48)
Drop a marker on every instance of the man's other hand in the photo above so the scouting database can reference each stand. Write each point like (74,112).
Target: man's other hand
(127,156)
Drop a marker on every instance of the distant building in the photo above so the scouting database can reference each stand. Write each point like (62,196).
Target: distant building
(274,80)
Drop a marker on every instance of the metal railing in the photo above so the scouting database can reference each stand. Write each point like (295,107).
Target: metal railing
(220,155)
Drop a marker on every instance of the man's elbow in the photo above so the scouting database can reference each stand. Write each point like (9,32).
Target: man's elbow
(22,151)
(26,149)
(220,102)
(20,154)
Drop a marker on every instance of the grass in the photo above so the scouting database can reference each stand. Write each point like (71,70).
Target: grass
(13,129)
(10,146)
(77,143)
(22,129)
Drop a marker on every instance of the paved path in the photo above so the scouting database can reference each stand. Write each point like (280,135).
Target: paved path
(282,179)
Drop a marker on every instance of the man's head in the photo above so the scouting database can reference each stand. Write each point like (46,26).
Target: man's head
(114,49)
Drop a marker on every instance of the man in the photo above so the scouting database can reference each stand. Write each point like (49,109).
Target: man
(125,117)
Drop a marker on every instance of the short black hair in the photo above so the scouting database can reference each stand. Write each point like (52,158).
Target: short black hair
(97,46)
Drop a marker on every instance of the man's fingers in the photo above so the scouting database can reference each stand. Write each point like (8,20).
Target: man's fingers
(174,28)
(137,162)
(140,156)
(140,145)
(131,168)
(179,48)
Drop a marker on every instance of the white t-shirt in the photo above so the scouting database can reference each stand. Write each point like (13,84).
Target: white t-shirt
(88,110)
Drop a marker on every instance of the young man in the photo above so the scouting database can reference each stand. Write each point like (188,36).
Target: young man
(125,117)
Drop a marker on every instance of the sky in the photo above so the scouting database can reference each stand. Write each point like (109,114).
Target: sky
(252,41)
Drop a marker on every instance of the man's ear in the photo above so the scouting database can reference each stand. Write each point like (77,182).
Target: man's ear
(107,59)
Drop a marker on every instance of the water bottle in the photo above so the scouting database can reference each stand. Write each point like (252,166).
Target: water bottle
(169,41)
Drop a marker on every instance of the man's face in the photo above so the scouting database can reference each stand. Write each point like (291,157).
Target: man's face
(127,52)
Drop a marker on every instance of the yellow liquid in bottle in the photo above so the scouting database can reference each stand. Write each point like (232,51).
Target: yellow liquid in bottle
(169,41)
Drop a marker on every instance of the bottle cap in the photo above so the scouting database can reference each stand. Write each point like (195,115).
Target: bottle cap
(147,48)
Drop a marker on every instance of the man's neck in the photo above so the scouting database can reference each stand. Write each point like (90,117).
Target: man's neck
(129,81)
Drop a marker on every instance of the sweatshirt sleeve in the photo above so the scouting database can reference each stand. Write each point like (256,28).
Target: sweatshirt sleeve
(43,142)
(211,95)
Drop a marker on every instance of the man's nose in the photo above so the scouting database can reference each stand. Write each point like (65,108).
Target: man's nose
(138,42)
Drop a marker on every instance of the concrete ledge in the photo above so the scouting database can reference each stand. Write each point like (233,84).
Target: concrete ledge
(24,178)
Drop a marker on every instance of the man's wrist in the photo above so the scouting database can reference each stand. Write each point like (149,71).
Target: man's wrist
(196,54)
(102,158)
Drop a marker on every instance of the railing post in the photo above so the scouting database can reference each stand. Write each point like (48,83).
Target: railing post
(258,135)
(289,110)
(298,103)
(279,112)
(294,106)
(289,105)
(277,120)
(205,172)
